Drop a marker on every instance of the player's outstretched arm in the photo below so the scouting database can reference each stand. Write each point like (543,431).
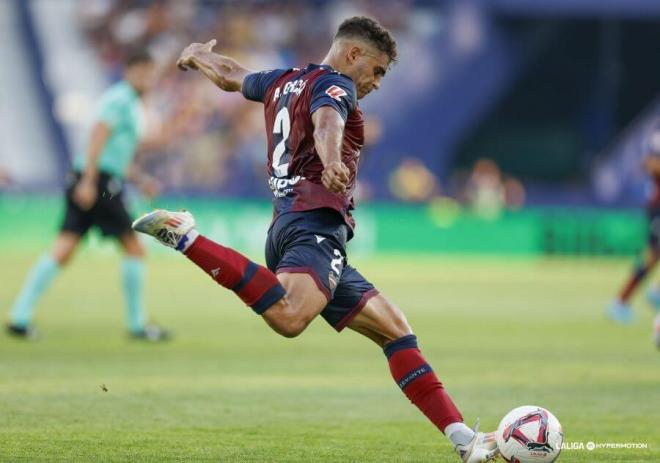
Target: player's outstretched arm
(328,134)
(223,71)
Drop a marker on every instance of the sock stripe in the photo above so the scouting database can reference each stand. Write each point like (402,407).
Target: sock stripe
(414,374)
(247,276)
(405,342)
(269,298)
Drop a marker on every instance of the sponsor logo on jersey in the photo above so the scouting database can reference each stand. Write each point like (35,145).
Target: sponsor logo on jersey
(283,186)
(336,92)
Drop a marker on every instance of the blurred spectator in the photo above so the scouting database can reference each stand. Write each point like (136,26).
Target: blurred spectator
(413,181)
(487,193)
(5,179)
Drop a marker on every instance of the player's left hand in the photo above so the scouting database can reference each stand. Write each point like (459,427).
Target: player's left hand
(335,177)
(150,187)
(187,58)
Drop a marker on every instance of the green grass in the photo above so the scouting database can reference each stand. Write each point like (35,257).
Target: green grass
(500,334)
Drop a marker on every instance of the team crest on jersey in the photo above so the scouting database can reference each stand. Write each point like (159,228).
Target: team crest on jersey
(336,92)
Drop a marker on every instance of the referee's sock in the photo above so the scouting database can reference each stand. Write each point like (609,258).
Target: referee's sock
(254,284)
(37,282)
(132,271)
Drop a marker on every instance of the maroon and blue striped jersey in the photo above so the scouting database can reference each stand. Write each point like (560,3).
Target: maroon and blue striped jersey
(290,97)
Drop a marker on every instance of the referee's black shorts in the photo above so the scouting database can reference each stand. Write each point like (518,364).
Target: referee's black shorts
(108,213)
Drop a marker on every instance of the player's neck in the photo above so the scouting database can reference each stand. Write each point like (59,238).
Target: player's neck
(336,64)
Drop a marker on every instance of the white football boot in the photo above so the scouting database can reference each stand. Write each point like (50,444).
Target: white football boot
(482,447)
(170,228)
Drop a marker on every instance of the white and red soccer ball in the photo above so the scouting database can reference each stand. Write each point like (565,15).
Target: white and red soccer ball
(529,434)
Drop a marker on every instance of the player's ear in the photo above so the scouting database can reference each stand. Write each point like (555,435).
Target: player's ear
(353,54)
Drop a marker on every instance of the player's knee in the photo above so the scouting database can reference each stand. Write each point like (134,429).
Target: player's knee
(285,319)
(132,246)
(291,329)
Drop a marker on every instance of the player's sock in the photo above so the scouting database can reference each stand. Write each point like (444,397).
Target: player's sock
(640,271)
(132,271)
(459,433)
(419,383)
(35,285)
(257,286)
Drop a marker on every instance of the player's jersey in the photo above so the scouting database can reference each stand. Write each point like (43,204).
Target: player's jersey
(290,98)
(120,108)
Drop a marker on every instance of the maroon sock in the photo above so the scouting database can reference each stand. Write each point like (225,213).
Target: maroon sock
(417,380)
(257,286)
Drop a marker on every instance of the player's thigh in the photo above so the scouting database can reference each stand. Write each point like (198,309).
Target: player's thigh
(64,246)
(131,245)
(381,321)
(302,303)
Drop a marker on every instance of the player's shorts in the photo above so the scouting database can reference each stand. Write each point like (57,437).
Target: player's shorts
(108,213)
(314,242)
(653,215)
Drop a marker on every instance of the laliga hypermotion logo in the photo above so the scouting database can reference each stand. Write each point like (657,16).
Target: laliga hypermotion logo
(513,431)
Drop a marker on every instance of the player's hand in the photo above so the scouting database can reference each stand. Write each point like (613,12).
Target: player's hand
(335,177)
(186,59)
(85,194)
(150,187)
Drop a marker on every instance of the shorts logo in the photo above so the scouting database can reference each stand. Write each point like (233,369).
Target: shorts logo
(215,272)
(335,264)
(336,92)
(319,239)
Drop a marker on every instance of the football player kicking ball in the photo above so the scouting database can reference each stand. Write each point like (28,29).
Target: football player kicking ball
(315,133)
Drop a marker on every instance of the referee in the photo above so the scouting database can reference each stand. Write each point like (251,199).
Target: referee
(94,198)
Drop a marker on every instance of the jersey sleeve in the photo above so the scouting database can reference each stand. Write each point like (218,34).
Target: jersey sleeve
(335,90)
(256,85)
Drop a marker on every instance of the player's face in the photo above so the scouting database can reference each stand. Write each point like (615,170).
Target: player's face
(370,68)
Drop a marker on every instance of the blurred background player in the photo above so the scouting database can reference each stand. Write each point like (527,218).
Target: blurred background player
(316,133)
(94,197)
(619,309)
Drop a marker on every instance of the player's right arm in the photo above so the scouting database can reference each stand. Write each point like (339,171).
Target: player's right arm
(85,191)
(224,72)
(328,135)
(333,98)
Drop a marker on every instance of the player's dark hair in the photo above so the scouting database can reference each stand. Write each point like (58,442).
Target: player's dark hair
(369,30)
(138,56)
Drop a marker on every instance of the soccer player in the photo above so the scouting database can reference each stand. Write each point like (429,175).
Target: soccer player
(315,133)
(94,198)
(619,309)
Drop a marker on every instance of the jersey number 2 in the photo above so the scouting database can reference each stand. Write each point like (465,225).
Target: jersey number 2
(282,127)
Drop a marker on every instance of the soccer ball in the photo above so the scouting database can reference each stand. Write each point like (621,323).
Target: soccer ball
(529,434)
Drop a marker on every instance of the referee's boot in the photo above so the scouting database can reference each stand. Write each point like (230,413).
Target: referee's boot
(24,332)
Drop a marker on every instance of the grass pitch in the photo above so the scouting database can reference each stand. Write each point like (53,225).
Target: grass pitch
(499,334)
